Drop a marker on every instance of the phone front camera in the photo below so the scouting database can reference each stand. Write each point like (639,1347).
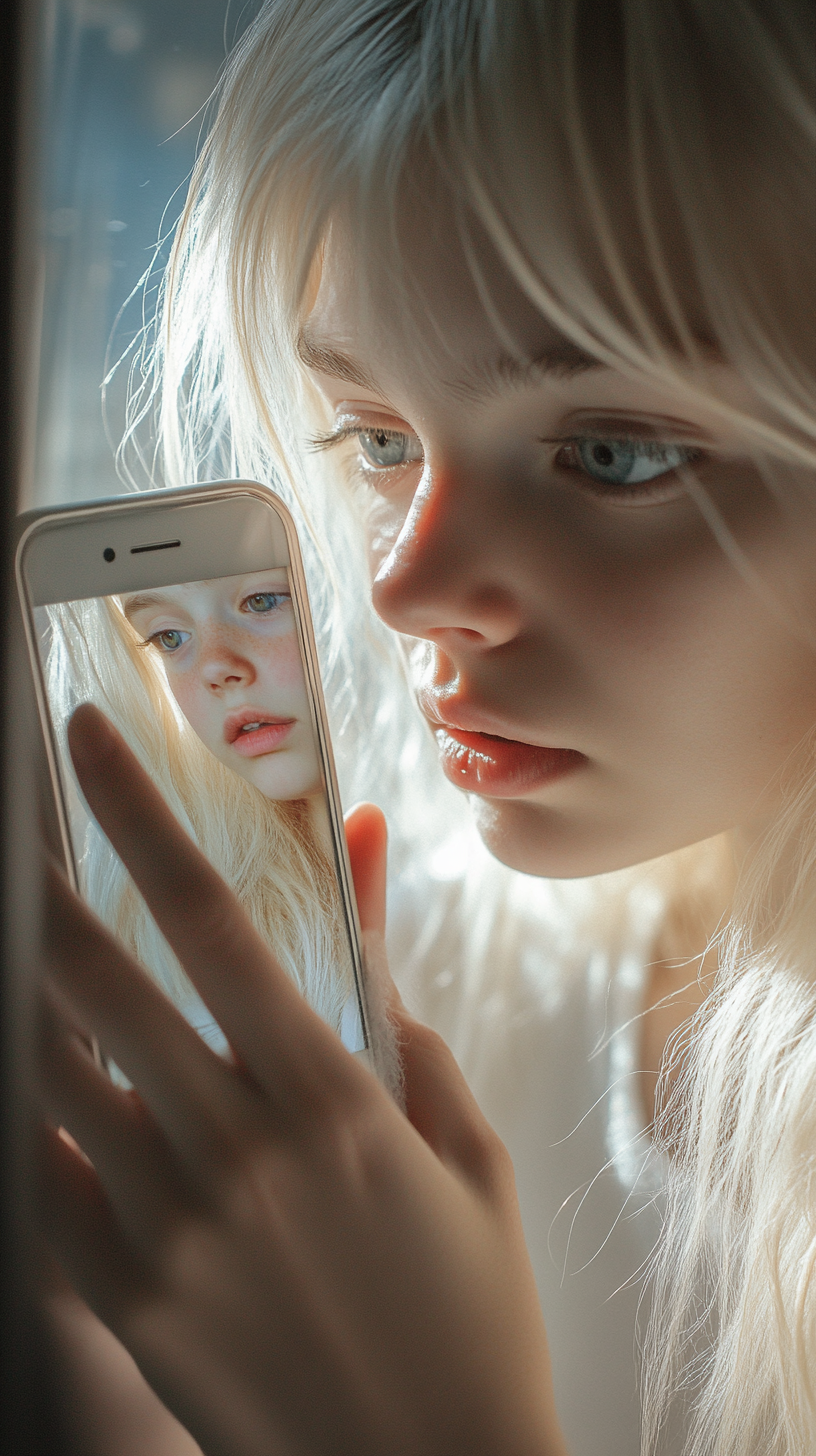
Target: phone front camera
(109,553)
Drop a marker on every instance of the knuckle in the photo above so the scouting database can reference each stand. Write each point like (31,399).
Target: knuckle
(191,1247)
(488,1161)
(425,1039)
(353,1146)
(211,916)
(236,1174)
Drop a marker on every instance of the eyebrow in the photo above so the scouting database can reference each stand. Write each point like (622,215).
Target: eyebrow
(562,359)
(141,602)
(325,359)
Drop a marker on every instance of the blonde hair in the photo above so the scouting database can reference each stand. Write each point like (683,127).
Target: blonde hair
(266,850)
(645,172)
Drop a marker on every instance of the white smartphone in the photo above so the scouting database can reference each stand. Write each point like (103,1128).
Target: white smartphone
(183,615)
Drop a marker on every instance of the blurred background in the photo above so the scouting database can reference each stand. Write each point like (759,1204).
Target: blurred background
(124,87)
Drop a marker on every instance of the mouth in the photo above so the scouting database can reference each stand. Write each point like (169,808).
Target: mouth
(251,732)
(499,767)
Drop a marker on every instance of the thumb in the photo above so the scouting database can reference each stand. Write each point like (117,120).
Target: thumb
(413,1061)
(367,838)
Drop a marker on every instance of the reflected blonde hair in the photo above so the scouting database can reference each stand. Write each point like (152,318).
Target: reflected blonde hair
(266,850)
(645,171)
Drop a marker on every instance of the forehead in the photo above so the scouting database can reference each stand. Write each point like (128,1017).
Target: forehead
(433,334)
(458,346)
(432,293)
(203,596)
(454,309)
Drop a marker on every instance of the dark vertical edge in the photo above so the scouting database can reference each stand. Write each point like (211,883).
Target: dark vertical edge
(29,1424)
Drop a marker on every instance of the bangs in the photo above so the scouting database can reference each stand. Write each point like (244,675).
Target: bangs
(644,173)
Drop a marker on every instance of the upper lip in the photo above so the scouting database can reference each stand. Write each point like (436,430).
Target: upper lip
(234,722)
(469,719)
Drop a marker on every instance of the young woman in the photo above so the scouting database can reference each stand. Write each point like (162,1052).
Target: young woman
(237,763)
(523,287)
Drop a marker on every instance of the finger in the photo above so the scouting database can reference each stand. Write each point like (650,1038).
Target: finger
(438,1100)
(286,1046)
(444,1111)
(111,1127)
(195,1096)
(367,838)
(80,1225)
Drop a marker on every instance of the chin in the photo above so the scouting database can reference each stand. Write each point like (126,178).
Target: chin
(285,793)
(280,794)
(550,843)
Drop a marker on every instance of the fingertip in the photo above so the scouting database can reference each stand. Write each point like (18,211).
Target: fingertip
(367,838)
(90,736)
(369,819)
(85,718)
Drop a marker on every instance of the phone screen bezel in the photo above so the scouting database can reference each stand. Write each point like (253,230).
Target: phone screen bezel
(71,537)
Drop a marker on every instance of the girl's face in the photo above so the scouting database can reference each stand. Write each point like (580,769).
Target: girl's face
(599,674)
(232,659)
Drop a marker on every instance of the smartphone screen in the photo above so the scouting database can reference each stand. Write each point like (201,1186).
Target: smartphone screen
(205,681)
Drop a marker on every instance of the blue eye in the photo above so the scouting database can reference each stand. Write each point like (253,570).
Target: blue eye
(261,602)
(629,462)
(168,641)
(386,448)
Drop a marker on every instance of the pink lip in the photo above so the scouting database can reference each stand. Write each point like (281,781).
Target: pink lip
(491,764)
(501,768)
(253,742)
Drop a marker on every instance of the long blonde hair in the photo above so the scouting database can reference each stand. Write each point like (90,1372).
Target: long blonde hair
(645,171)
(266,850)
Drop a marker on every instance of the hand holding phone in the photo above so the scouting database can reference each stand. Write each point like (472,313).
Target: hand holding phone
(293,1266)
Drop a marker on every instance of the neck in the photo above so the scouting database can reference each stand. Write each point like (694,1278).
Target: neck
(700,885)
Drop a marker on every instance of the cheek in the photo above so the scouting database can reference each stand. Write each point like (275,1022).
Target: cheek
(280,660)
(703,668)
(673,599)
(384,521)
(187,691)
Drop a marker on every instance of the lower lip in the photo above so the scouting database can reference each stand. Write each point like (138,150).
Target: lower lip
(501,768)
(262,740)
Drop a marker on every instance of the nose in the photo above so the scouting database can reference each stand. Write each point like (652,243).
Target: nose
(221,665)
(444,578)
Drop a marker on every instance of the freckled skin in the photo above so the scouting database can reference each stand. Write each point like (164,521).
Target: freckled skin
(233,658)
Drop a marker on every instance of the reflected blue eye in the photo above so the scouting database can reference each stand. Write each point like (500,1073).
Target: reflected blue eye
(261,602)
(629,462)
(169,641)
(386,448)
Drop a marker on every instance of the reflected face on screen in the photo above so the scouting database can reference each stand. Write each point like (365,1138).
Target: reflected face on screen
(230,650)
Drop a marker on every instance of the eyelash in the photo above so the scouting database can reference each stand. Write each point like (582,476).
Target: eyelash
(152,640)
(279,597)
(640,446)
(331,438)
(640,450)
(352,432)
